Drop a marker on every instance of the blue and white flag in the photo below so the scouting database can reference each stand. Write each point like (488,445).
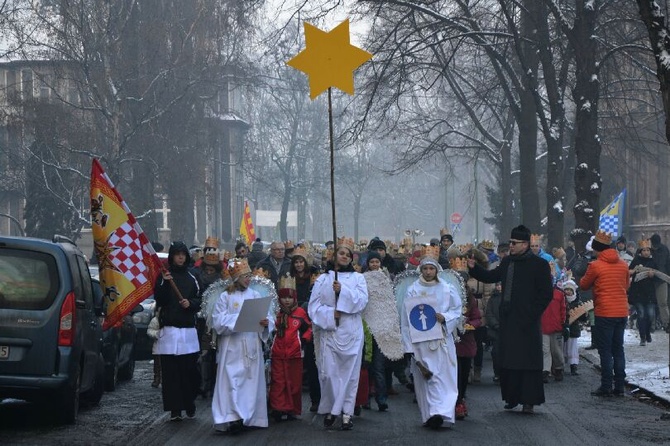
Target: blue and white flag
(611,218)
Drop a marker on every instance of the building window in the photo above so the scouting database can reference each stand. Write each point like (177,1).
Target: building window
(45,87)
(27,85)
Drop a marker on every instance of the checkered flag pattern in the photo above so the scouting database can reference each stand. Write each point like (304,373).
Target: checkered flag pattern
(127,255)
(610,224)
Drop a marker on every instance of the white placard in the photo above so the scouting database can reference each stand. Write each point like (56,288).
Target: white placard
(421,315)
(252,312)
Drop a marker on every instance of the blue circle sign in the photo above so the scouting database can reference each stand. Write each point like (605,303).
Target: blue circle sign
(422,317)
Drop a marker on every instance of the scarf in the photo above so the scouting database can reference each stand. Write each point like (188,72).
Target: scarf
(507,294)
(283,317)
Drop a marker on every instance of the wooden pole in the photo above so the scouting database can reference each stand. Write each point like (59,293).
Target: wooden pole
(332,193)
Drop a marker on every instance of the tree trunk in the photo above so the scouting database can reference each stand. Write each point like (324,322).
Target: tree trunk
(660,44)
(506,178)
(587,142)
(530,200)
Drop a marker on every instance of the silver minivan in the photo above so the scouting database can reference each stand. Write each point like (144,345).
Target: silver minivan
(50,332)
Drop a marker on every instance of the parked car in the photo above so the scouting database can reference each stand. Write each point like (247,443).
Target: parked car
(144,343)
(118,344)
(50,331)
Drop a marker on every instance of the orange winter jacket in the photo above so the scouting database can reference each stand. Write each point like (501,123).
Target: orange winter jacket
(608,275)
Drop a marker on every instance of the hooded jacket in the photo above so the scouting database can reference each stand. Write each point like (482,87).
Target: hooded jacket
(172,313)
(608,276)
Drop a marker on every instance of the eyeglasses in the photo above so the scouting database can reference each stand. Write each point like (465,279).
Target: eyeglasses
(516,242)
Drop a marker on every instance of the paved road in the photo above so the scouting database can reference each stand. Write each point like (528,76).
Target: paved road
(132,416)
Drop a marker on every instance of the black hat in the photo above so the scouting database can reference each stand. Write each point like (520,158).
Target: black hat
(176,247)
(375,244)
(521,233)
(621,239)
(434,242)
(373,255)
(655,240)
(447,237)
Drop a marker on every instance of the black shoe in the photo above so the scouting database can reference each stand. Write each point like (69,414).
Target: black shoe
(434,422)
(277,416)
(573,370)
(314,407)
(510,406)
(618,392)
(347,422)
(601,392)
(383,407)
(357,411)
(528,409)
(329,420)
(648,339)
(175,415)
(235,427)
(190,413)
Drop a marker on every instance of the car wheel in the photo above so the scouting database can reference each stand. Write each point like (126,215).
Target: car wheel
(94,395)
(112,374)
(126,372)
(68,406)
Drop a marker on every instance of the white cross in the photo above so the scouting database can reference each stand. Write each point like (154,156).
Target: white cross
(164,212)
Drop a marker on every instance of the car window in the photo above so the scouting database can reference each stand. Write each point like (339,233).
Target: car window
(87,290)
(28,279)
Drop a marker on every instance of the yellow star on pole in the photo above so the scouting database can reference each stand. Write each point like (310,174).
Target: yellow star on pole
(329,59)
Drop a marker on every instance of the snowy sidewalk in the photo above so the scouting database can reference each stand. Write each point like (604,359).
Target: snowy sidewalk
(646,367)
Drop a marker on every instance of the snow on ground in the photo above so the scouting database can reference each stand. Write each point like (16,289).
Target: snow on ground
(646,366)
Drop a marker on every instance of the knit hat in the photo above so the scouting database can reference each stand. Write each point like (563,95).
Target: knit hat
(375,244)
(373,255)
(434,242)
(521,233)
(447,237)
(570,285)
(655,240)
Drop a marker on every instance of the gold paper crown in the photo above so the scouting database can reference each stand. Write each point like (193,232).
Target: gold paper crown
(535,239)
(430,251)
(444,231)
(260,272)
(287,282)
(603,237)
(212,242)
(346,242)
(644,243)
(458,264)
(487,244)
(211,250)
(238,267)
(464,249)
(302,252)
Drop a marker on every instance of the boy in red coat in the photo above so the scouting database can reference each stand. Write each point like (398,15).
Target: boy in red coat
(553,323)
(292,326)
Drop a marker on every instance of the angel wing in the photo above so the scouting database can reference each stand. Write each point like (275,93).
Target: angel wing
(209,298)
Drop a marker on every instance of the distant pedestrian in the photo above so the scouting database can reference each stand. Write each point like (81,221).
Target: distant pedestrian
(570,345)
(642,293)
(661,255)
(608,276)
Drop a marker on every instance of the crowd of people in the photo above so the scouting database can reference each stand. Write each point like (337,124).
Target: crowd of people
(341,330)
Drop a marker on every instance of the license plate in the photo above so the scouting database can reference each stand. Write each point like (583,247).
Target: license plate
(4,351)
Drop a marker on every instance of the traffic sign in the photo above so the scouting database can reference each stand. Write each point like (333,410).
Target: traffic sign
(456,218)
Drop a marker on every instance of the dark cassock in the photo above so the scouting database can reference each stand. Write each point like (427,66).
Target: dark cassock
(526,292)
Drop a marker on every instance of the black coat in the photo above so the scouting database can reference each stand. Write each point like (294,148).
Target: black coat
(172,314)
(661,255)
(643,291)
(284,269)
(520,327)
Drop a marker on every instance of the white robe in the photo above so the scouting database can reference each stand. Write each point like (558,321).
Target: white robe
(339,349)
(436,396)
(240,390)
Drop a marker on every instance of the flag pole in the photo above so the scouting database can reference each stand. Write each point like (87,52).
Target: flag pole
(332,194)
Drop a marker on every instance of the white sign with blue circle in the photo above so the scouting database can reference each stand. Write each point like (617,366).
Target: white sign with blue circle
(422,318)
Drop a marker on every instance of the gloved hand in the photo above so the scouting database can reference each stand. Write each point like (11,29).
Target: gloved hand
(566,333)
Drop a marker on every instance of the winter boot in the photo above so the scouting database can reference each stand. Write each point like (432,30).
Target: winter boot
(157,372)
(573,370)
(545,376)
(558,374)
(477,376)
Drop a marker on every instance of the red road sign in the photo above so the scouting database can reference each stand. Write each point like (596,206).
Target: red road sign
(456,218)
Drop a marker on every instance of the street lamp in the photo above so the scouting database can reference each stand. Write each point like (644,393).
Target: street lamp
(414,233)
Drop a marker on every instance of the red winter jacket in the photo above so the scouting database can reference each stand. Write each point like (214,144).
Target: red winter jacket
(289,345)
(553,317)
(608,275)
(467,346)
